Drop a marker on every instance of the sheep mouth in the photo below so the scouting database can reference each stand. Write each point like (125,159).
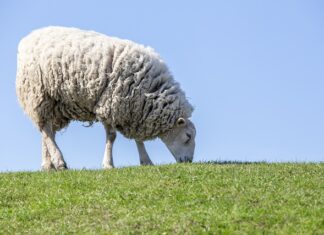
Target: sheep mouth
(185,159)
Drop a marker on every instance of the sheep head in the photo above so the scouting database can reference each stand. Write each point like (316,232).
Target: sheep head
(180,140)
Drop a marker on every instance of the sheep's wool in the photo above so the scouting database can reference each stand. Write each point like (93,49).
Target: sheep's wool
(66,74)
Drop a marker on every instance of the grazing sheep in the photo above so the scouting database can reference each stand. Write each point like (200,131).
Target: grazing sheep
(66,74)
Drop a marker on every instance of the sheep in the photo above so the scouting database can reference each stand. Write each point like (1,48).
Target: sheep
(68,74)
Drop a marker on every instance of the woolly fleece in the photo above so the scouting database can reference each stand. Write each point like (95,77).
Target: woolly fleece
(66,74)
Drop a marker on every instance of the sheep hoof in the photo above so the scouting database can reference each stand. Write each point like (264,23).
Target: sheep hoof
(61,167)
(108,167)
(48,167)
(147,163)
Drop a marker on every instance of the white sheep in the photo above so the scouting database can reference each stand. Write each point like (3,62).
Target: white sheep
(66,74)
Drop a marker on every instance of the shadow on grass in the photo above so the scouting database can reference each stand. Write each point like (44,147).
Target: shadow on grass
(229,162)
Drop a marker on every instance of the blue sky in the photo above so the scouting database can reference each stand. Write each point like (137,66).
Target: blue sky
(254,71)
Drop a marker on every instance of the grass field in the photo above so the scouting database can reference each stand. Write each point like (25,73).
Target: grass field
(284,198)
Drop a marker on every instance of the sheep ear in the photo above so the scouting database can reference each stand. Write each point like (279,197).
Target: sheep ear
(181,122)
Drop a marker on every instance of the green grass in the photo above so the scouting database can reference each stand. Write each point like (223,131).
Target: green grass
(232,198)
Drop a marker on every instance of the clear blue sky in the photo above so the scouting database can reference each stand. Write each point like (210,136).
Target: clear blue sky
(254,70)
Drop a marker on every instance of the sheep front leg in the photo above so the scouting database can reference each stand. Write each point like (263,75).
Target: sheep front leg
(56,156)
(107,162)
(144,157)
(46,158)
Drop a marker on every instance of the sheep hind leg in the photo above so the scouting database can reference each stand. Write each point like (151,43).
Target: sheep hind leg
(144,157)
(108,162)
(48,135)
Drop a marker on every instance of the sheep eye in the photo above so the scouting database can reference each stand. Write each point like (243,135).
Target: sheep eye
(188,138)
